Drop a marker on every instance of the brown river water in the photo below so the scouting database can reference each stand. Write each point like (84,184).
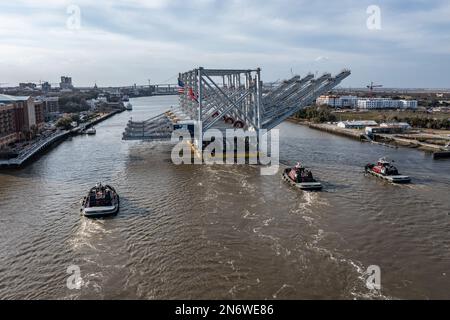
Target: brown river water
(223,232)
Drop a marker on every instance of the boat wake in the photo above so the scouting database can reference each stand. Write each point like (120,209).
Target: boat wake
(87,230)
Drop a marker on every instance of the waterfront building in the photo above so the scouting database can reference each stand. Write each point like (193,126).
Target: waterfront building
(408,104)
(23,115)
(8,125)
(401,125)
(386,103)
(357,124)
(39,114)
(377,103)
(23,102)
(92,103)
(51,107)
(338,101)
(370,131)
(365,103)
(102,98)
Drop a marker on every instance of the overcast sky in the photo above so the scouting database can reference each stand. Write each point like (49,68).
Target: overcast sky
(126,42)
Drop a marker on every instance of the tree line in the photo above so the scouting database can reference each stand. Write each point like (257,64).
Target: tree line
(316,114)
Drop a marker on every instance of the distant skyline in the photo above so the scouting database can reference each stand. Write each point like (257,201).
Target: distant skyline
(126,42)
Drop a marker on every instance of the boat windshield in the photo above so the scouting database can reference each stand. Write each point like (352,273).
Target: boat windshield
(302,174)
(100,197)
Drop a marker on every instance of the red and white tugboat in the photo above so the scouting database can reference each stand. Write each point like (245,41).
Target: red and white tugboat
(385,170)
(301,178)
(101,201)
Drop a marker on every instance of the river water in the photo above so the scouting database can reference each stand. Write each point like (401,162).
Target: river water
(213,232)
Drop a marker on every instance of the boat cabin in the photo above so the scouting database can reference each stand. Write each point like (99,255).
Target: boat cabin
(100,196)
(301,174)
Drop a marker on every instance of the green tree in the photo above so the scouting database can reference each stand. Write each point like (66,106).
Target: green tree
(64,123)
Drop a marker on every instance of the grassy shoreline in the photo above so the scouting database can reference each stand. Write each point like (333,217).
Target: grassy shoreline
(426,140)
(389,115)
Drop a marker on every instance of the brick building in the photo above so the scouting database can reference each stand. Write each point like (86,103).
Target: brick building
(19,116)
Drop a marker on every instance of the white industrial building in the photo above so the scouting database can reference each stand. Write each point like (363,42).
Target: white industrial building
(365,103)
(386,103)
(408,104)
(388,128)
(377,103)
(401,125)
(357,124)
(338,101)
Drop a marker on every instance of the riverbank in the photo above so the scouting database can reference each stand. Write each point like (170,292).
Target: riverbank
(354,134)
(91,123)
(34,150)
(40,146)
(391,140)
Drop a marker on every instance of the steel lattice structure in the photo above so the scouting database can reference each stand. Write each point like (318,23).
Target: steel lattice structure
(233,98)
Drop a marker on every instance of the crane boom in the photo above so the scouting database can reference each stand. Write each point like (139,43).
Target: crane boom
(372,86)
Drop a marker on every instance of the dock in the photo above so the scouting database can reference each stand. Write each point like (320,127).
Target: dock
(43,145)
(36,149)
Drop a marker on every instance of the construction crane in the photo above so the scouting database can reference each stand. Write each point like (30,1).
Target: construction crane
(373,86)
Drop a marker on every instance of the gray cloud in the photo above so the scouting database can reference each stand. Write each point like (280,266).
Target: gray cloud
(124,42)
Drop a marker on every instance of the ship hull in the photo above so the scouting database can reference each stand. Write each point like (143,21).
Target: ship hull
(306,186)
(98,212)
(393,178)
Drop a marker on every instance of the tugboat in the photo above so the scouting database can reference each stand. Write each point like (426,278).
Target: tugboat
(129,106)
(301,178)
(101,201)
(385,170)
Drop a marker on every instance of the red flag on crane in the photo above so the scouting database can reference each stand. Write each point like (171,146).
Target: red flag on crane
(192,95)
